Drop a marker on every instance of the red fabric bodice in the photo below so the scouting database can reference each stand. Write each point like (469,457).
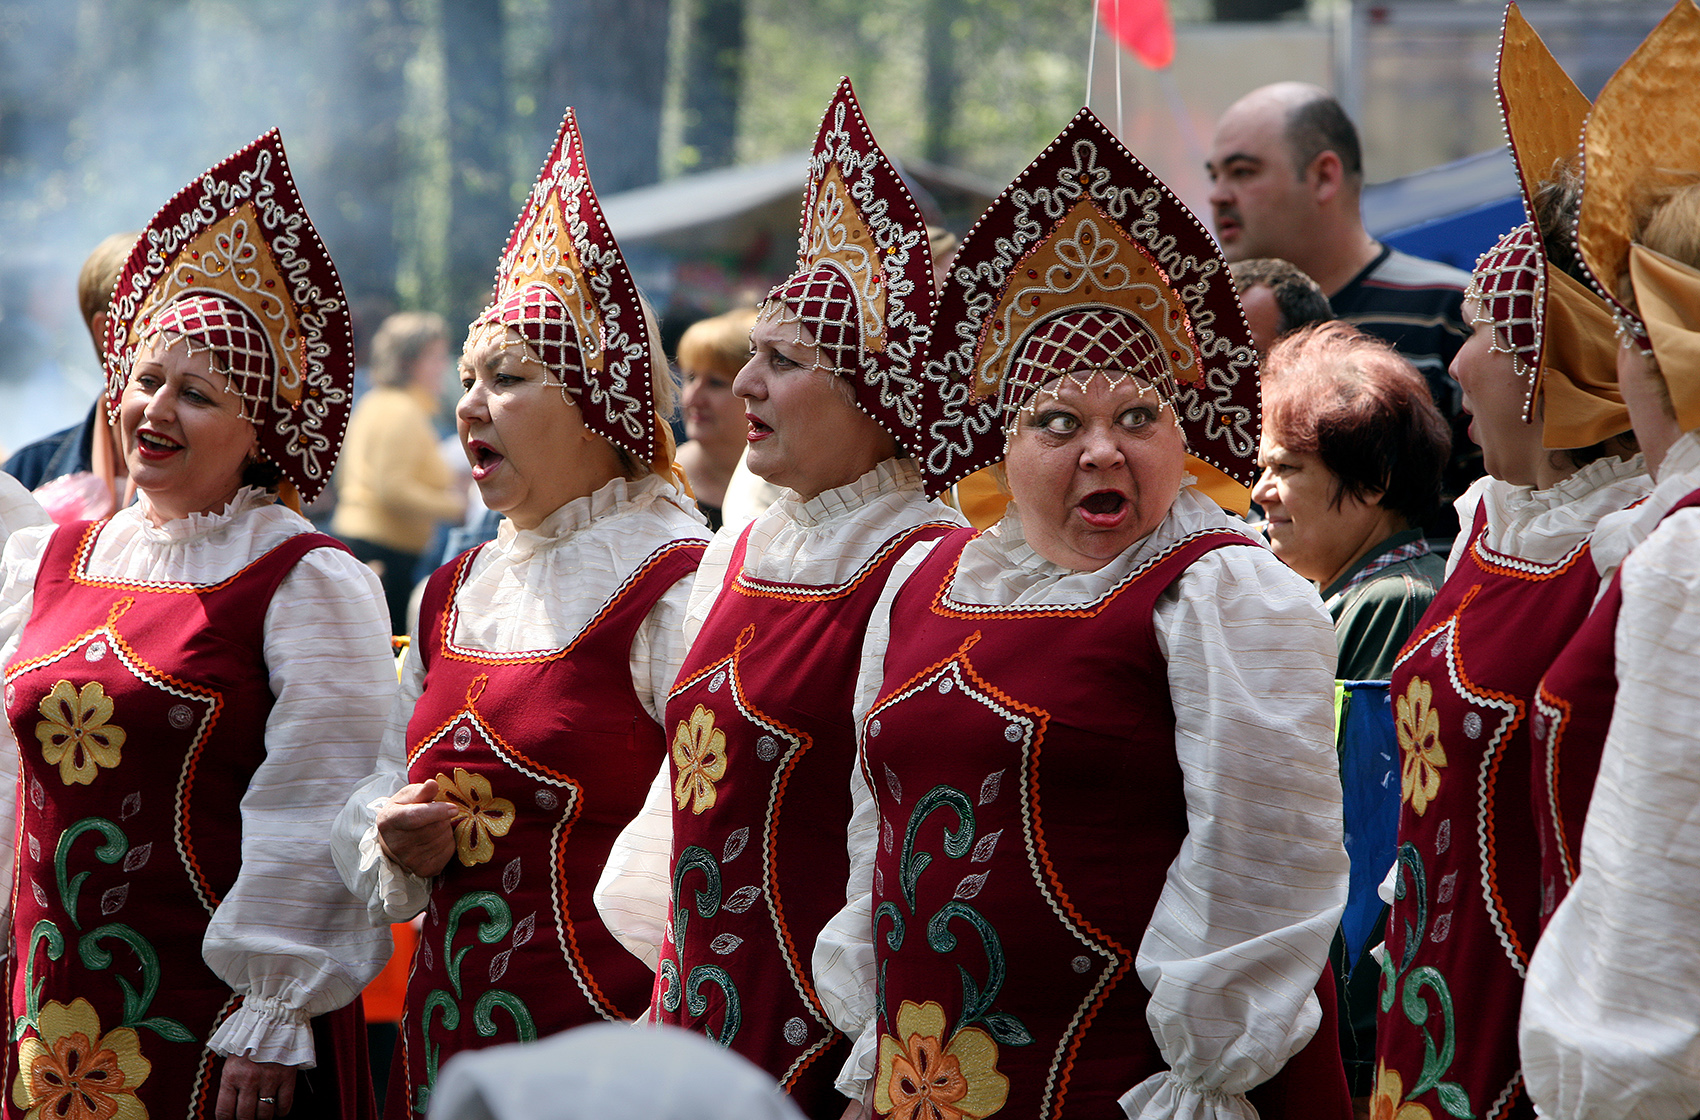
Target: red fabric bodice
(1467,901)
(1022,854)
(1030,800)
(762,753)
(1573,709)
(140,712)
(548,754)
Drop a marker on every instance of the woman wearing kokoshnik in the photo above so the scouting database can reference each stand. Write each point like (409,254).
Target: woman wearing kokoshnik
(1609,1024)
(1100,741)
(740,856)
(1539,377)
(527,728)
(194,684)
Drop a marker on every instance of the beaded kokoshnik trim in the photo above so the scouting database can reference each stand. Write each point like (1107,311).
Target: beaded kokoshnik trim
(233,264)
(564,287)
(863,284)
(1508,287)
(1086,233)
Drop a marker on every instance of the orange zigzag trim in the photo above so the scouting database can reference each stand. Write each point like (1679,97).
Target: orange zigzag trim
(476,657)
(940,608)
(1490,843)
(760,590)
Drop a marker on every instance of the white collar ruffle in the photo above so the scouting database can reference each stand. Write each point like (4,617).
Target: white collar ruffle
(617,497)
(537,589)
(1000,568)
(186,530)
(890,476)
(824,541)
(1545,525)
(1619,532)
(199,549)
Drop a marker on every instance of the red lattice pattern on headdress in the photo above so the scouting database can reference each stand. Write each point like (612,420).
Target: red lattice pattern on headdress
(538,314)
(1095,338)
(232,264)
(822,300)
(1507,286)
(239,347)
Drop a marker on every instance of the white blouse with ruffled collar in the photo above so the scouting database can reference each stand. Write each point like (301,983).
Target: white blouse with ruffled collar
(824,540)
(532,589)
(818,542)
(287,934)
(1608,1026)
(1544,525)
(1241,932)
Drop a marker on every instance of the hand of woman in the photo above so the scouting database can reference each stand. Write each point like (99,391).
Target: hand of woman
(250,1090)
(414,829)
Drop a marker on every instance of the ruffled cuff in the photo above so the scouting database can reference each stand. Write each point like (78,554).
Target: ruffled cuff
(399,892)
(858,1071)
(266,1030)
(1164,1096)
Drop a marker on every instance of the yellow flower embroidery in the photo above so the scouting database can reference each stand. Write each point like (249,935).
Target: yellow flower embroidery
(920,1078)
(1418,727)
(699,755)
(74,733)
(73,1072)
(1384,1104)
(479,815)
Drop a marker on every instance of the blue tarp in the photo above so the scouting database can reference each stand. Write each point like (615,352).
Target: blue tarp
(1369,782)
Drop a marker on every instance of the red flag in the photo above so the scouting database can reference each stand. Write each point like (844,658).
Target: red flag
(1143,27)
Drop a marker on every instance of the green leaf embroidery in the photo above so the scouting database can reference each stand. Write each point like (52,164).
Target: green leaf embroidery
(513,1005)
(493,928)
(1007,1029)
(1454,1099)
(110,852)
(696,1001)
(44,931)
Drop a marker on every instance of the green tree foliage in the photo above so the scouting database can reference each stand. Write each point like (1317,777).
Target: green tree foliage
(1018,69)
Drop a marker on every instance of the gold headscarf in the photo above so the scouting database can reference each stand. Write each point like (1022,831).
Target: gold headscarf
(1574,360)
(1641,140)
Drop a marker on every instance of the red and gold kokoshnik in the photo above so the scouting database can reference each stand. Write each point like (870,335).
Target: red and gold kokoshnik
(563,285)
(233,265)
(864,279)
(1558,333)
(1087,261)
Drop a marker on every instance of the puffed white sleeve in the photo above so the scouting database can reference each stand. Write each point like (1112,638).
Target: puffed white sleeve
(18,566)
(390,892)
(288,935)
(844,966)
(658,649)
(18,508)
(1241,930)
(632,892)
(1611,1011)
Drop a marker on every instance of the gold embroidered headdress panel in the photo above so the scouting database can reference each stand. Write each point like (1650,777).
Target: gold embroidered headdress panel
(1642,141)
(863,285)
(1558,333)
(1088,262)
(232,264)
(563,285)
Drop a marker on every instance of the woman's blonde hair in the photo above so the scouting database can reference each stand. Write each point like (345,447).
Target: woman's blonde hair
(720,344)
(400,340)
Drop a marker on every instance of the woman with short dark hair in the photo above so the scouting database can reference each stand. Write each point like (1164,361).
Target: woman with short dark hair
(1352,453)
